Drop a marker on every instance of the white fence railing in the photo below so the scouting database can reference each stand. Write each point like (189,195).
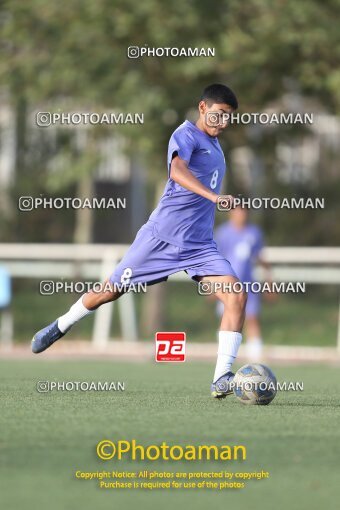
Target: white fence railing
(97,261)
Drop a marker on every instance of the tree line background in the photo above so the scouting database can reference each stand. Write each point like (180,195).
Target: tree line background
(72,56)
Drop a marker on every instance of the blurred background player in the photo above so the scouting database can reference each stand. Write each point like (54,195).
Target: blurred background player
(241,242)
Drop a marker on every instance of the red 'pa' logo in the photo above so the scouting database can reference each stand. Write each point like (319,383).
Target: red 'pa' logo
(170,346)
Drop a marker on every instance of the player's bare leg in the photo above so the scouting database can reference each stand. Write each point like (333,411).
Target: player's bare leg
(83,307)
(229,336)
(93,300)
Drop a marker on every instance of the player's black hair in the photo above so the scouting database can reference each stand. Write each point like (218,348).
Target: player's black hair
(219,94)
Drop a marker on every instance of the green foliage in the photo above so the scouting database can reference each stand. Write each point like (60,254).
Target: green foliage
(76,51)
(317,310)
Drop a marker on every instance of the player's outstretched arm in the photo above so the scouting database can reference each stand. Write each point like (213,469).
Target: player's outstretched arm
(180,173)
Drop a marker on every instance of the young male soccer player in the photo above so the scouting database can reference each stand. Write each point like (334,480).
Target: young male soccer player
(241,242)
(179,234)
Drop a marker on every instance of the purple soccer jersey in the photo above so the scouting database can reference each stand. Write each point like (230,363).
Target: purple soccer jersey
(182,217)
(179,233)
(241,247)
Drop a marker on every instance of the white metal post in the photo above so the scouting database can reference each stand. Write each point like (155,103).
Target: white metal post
(103,316)
(127,315)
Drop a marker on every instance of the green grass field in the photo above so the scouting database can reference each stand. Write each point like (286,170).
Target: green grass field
(46,437)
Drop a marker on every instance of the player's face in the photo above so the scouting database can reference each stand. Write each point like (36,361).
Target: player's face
(214,118)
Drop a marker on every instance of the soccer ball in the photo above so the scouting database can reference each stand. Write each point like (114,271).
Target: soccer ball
(254,384)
